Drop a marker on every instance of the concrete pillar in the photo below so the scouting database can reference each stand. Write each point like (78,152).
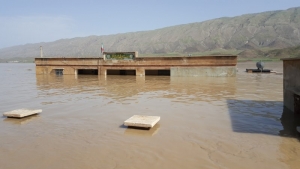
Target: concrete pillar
(102,71)
(99,70)
(140,71)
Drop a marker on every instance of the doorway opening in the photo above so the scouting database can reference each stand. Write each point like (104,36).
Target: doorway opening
(87,71)
(120,72)
(157,72)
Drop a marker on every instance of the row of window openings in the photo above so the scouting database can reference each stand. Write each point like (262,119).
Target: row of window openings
(59,72)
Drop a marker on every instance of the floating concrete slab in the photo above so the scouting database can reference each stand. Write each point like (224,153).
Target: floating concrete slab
(142,121)
(20,113)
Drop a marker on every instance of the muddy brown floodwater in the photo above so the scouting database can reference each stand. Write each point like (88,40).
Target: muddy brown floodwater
(206,122)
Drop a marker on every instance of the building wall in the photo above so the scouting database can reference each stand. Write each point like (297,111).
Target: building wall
(204,71)
(39,70)
(291,81)
(67,70)
(67,61)
(189,61)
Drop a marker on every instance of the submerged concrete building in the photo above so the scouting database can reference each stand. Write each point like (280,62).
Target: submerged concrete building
(128,63)
(291,84)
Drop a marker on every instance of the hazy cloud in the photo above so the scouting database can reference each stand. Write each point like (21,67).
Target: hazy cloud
(32,29)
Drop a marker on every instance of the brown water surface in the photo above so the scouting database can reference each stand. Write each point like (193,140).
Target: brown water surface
(206,122)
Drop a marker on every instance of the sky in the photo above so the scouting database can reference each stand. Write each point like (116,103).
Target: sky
(34,21)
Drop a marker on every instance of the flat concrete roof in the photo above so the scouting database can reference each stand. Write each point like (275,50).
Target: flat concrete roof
(185,56)
(117,52)
(69,58)
(141,57)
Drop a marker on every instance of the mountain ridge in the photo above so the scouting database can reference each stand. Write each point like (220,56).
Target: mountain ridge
(268,30)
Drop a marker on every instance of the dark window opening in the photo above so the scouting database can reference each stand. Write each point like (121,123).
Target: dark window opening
(59,72)
(120,72)
(87,71)
(157,72)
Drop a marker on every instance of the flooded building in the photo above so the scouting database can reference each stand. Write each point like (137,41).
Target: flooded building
(291,84)
(128,63)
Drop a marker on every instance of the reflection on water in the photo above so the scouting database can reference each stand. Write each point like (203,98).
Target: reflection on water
(22,121)
(289,122)
(122,87)
(250,116)
(208,122)
(135,131)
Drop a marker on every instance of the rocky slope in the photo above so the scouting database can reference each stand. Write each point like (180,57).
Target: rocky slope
(246,35)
